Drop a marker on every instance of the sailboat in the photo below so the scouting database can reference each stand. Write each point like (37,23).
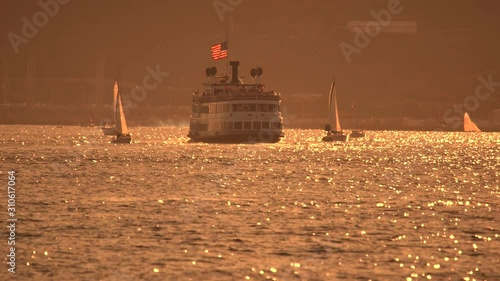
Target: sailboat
(357,133)
(469,126)
(110,130)
(122,133)
(337,134)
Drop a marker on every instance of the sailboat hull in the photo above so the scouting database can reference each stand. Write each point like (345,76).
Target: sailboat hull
(335,137)
(122,139)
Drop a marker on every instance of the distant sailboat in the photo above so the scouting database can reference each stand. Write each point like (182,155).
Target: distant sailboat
(337,134)
(469,126)
(357,133)
(110,130)
(122,133)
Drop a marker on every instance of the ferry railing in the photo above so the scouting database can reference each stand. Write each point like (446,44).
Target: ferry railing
(223,96)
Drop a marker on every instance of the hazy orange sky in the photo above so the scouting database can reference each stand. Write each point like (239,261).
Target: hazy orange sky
(296,42)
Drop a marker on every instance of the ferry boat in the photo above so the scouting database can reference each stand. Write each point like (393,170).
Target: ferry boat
(229,110)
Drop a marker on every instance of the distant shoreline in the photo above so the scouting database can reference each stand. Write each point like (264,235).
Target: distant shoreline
(88,115)
(91,115)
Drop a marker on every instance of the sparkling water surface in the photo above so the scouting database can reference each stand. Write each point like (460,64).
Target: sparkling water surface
(391,206)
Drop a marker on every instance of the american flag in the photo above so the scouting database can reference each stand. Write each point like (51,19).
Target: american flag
(219,51)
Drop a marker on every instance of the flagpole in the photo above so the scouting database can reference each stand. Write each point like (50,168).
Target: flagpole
(227,50)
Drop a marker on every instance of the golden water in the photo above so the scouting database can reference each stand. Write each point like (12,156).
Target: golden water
(392,206)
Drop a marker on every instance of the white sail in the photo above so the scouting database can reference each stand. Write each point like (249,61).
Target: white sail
(121,124)
(333,97)
(469,126)
(115,95)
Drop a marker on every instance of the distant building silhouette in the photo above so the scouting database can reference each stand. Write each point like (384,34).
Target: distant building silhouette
(4,79)
(99,81)
(30,80)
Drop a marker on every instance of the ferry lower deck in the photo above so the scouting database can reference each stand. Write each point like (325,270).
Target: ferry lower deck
(253,120)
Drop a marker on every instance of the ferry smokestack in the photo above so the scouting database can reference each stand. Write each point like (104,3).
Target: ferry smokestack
(234,66)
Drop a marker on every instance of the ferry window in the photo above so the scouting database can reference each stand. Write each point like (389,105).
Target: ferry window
(235,107)
(276,125)
(252,107)
(204,109)
(265,125)
(230,126)
(238,126)
(256,125)
(261,107)
(241,107)
(273,107)
(248,125)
